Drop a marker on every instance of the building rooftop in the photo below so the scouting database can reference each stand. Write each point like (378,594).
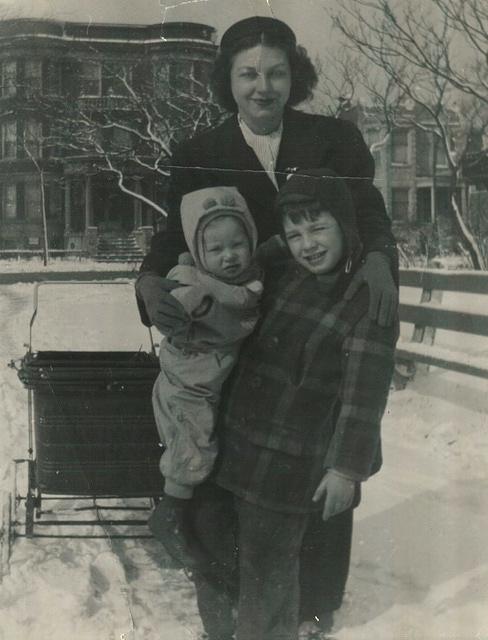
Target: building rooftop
(21,28)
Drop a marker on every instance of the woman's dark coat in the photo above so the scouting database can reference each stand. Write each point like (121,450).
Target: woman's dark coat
(220,156)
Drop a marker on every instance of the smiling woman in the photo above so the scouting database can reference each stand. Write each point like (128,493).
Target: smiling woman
(261,84)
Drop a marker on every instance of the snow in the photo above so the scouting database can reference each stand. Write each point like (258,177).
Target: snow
(420,559)
(457,360)
(36,264)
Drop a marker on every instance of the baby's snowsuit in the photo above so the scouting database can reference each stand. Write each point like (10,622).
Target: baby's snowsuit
(195,363)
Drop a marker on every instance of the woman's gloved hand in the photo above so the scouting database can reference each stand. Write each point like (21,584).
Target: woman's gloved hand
(338,490)
(383,294)
(164,311)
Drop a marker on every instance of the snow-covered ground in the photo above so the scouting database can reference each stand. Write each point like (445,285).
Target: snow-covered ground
(36,264)
(420,558)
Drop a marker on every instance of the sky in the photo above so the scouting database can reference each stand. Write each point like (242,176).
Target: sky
(308,18)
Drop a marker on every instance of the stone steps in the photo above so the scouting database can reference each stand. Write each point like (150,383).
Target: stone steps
(118,248)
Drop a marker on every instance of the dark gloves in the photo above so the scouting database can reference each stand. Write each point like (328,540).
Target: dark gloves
(165,248)
(162,309)
(383,294)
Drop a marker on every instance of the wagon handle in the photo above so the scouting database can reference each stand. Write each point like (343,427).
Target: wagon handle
(85,282)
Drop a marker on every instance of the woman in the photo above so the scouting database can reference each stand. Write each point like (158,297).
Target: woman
(260,75)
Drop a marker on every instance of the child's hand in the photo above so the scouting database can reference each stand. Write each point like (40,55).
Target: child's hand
(185,258)
(184,274)
(339,492)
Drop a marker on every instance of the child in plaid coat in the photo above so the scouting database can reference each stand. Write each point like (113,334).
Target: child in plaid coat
(300,424)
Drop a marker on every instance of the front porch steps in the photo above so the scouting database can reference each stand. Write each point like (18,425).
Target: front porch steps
(116,247)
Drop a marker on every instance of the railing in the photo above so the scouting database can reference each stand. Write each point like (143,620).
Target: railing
(429,315)
(120,103)
(30,253)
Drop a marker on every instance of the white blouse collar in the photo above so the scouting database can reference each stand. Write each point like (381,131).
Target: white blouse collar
(266,147)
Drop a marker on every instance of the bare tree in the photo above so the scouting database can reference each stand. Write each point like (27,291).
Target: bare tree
(134,132)
(413,47)
(42,184)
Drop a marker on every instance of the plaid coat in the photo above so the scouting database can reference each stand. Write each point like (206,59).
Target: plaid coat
(308,393)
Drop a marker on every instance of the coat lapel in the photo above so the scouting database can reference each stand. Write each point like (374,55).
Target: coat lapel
(302,147)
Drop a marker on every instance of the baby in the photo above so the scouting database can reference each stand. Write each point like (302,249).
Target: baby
(220,295)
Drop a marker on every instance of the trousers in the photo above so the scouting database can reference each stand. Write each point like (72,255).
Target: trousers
(185,401)
(280,568)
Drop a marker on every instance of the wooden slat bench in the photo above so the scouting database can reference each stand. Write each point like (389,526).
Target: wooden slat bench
(428,315)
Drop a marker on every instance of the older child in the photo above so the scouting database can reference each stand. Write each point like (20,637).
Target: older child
(300,425)
(220,297)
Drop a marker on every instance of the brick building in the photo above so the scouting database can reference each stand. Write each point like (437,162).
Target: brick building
(413,176)
(42,61)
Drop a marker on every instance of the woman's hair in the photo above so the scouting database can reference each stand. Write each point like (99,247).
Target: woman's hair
(303,73)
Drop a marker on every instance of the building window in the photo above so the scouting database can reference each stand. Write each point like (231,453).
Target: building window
(200,77)
(54,200)
(399,204)
(9,139)
(115,76)
(33,138)
(90,79)
(32,77)
(181,78)
(9,201)
(441,156)
(9,78)
(32,200)
(121,139)
(424,205)
(399,146)
(161,73)
(51,78)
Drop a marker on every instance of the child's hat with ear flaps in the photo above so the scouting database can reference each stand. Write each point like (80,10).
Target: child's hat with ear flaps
(331,192)
(200,208)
